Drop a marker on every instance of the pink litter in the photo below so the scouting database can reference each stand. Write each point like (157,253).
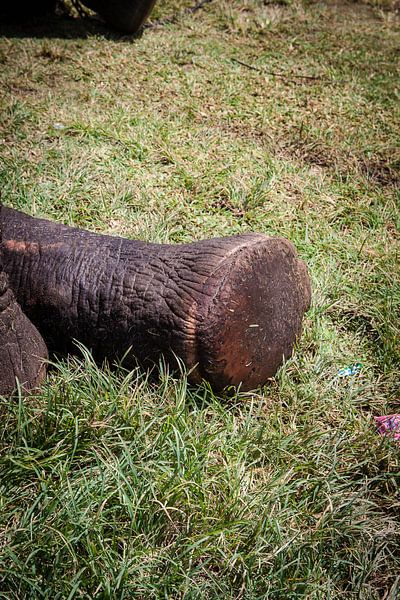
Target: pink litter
(389,426)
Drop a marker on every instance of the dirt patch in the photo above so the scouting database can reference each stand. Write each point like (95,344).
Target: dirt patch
(381,172)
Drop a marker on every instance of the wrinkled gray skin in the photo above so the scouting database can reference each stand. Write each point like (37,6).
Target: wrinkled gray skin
(23,352)
(229,308)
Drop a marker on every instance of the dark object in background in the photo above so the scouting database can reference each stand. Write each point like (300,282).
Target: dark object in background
(123,15)
(230,308)
(21,10)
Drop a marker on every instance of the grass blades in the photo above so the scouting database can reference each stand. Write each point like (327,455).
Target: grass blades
(114,487)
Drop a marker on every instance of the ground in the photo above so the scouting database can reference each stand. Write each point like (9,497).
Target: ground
(243,116)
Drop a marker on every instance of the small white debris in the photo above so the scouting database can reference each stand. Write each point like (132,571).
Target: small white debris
(58,126)
(254,325)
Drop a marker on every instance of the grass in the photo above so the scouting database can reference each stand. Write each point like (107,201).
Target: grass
(112,486)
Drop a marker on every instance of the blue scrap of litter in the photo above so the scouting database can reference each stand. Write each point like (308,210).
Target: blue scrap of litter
(349,371)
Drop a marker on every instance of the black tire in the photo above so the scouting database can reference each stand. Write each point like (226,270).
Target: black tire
(123,15)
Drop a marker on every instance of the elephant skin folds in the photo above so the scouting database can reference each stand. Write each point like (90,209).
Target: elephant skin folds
(22,350)
(230,308)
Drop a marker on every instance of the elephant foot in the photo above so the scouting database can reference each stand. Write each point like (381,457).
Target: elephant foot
(22,349)
(123,15)
(251,313)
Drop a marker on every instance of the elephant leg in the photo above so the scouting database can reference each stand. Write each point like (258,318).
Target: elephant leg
(124,15)
(22,349)
(229,308)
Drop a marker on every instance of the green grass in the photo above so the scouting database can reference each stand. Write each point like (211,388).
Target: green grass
(113,486)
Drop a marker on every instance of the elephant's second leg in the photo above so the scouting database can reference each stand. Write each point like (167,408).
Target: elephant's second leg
(22,349)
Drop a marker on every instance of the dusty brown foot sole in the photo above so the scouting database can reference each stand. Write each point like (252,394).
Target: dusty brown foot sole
(255,315)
